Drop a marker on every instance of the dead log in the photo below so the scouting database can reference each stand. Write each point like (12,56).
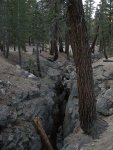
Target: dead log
(42,133)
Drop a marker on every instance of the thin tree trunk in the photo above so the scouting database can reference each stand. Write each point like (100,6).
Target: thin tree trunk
(100,46)
(92,48)
(82,58)
(53,34)
(38,61)
(29,41)
(1,47)
(67,44)
(20,57)
(60,45)
(24,47)
(56,51)
(7,51)
(52,47)
(4,49)
(14,47)
(43,46)
(110,25)
(104,50)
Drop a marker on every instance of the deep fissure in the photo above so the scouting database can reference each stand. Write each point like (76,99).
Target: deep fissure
(60,99)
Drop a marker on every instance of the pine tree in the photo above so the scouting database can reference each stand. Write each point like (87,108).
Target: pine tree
(82,58)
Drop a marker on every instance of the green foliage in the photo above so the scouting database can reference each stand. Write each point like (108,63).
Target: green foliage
(31,67)
(89,10)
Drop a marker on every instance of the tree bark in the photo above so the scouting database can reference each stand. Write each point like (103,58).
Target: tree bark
(29,41)
(43,46)
(56,51)
(53,41)
(38,62)
(51,48)
(20,56)
(53,34)
(1,47)
(60,45)
(14,47)
(82,58)
(67,44)
(104,50)
(7,51)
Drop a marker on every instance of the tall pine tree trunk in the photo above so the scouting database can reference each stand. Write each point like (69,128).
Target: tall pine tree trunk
(53,34)
(7,51)
(82,58)
(54,47)
(60,45)
(14,47)
(51,48)
(67,44)
(20,56)
(38,61)
(110,24)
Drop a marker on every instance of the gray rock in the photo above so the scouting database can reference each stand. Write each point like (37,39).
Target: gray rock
(7,116)
(68,147)
(73,75)
(2,91)
(53,73)
(70,68)
(34,93)
(105,103)
(20,138)
(71,113)
(18,67)
(31,76)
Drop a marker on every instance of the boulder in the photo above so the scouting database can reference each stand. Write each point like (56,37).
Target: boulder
(105,103)
(7,116)
(71,112)
(32,76)
(21,137)
(53,73)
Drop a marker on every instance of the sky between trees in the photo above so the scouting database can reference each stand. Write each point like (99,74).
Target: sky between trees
(96,2)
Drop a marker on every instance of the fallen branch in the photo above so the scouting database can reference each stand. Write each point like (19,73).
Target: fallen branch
(42,133)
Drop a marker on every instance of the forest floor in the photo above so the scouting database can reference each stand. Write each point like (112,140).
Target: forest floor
(10,72)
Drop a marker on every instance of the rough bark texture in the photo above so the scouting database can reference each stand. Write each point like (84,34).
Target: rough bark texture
(7,51)
(53,34)
(67,44)
(43,44)
(82,58)
(20,56)
(51,48)
(1,47)
(53,41)
(14,47)
(38,62)
(60,45)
